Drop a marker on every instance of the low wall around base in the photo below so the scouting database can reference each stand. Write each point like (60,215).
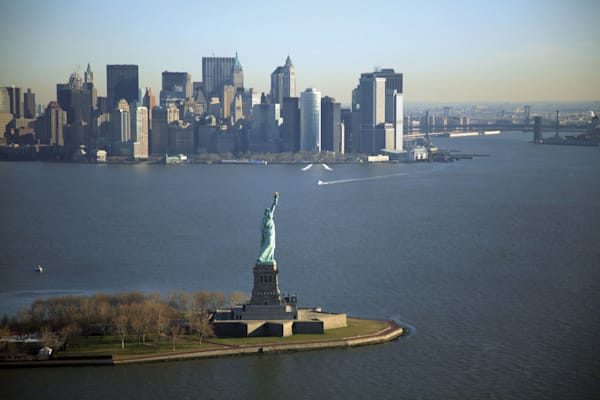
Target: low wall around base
(309,327)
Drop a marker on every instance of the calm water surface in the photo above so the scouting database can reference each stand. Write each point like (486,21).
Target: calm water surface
(493,263)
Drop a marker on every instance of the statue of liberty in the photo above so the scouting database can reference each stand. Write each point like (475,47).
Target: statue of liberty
(267,238)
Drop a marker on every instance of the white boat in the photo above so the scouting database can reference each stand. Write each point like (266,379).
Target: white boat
(39,268)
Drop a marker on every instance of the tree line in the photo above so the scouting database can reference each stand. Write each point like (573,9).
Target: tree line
(132,316)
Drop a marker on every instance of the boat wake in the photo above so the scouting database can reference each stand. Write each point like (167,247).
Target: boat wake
(371,178)
(327,167)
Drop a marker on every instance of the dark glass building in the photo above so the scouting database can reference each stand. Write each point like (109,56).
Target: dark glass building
(122,82)
(331,130)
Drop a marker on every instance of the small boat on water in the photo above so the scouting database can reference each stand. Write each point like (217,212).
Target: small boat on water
(39,268)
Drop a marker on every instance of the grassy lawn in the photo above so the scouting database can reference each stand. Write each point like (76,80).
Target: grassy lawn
(111,345)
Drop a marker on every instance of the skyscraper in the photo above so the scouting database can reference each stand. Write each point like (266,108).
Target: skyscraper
(16,107)
(139,130)
(56,119)
(149,102)
(120,120)
(290,130)
(380,103)
(29,104)
(331,126)
(88,80)
(310,120)
(121,83)
(283,82)
(220,71)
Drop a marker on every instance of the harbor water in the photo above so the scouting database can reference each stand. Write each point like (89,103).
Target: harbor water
(492,264)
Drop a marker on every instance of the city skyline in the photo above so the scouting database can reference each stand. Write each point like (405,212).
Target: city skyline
(460,52)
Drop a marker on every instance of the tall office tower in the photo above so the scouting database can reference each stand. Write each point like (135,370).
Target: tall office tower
(283,82)
(149,102)
(175,86)
(380,101)
(331,126)
(88,80)
(310,120)
(4,101)
(75,99)
(290,130)
(220,71)
(238,74)
(29,104)
(16,106)
(139,130)
(398,122)
(56,119)
(159,136)
(372,112)
(120,120)
(121,83)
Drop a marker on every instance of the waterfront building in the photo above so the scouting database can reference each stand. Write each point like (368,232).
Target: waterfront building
(283,82)
(331,126)
(380,102)
(122,82)
(181,138)
(310,120)
(162,117)
(290,129)
(29,104)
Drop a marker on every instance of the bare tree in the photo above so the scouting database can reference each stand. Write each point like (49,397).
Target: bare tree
(121,322)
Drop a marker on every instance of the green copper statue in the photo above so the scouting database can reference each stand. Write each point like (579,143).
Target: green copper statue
(267,239)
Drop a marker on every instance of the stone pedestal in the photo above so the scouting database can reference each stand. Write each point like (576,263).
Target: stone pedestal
(265,291)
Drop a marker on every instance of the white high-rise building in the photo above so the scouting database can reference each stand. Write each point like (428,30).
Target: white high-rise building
(310,120)
(139,130)
(398,122)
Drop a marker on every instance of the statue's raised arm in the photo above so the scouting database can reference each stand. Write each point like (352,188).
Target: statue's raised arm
(267,236)
(275,200)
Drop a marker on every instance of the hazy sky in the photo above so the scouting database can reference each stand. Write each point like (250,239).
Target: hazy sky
(449,51)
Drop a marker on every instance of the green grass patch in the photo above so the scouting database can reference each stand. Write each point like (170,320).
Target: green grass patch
(111,346)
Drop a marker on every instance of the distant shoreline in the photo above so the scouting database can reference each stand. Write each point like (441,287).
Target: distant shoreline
(391,332)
